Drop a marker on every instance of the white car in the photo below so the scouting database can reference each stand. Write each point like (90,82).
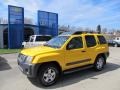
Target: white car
(116,42)
(36,40)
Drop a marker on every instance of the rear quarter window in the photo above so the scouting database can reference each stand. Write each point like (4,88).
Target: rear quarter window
(102,39)
(90,40)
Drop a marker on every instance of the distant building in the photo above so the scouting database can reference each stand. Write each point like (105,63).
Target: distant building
(28,30)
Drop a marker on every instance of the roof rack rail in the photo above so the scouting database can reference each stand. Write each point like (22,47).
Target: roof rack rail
(77,32)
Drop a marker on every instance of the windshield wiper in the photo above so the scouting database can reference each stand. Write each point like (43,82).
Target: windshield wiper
(55,46)
(47,45)
(51,46)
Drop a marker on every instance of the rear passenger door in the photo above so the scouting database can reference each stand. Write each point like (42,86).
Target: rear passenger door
(91,45)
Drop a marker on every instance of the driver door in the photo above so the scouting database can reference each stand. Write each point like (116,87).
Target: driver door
(76,55)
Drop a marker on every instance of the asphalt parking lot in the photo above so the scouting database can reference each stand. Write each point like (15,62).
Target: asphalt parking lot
(11,77)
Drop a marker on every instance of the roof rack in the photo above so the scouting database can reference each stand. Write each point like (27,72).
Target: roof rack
(77,32)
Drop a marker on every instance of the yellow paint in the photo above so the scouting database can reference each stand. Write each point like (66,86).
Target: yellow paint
(43,54)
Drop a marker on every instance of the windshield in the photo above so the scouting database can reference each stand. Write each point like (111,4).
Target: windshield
(57,42)
(43,38)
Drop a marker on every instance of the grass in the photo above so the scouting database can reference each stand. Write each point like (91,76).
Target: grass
(9,51)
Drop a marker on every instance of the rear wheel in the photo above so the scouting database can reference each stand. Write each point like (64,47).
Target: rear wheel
(48,74)
(99,63)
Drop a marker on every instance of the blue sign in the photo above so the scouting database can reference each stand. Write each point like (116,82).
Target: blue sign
(48,23)
(15,26)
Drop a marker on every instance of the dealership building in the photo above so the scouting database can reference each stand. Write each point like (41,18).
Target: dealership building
(15,32)
(28,31)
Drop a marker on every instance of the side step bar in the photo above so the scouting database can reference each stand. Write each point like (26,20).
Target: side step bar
(77,69)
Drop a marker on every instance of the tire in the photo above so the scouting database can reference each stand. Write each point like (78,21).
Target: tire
(48,75)
(99,63)
(116,45)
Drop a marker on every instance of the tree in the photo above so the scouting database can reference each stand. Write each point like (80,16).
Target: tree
(104,30)
(63,28)
(99,29)
(28,21)
(3,21)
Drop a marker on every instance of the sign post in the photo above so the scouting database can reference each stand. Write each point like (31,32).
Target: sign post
(15,26)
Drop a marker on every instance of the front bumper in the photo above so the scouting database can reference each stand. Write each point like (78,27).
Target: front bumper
(28,69)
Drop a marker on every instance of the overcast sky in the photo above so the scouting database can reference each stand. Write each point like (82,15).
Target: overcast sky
(83,13)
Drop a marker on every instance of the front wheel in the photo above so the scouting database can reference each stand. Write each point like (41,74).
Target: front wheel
(48,74)
(116,45)
(99,63)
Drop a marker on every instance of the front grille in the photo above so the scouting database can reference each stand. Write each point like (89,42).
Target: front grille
(22,57)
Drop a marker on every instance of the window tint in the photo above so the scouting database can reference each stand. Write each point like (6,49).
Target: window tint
(57,41)
(43,38)
(90,41)
(102,40)
(75,43)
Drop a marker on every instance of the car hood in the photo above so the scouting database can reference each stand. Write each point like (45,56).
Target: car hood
(37,50)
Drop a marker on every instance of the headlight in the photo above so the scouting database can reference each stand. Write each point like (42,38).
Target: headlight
(29,59)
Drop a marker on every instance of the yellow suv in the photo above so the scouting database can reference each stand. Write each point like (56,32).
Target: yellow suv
(64,53)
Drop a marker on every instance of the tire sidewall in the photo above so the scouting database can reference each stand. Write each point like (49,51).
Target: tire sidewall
(42,71)
(95,64)
(116,45)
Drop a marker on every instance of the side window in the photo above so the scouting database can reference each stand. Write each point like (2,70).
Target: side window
(90,41)
(43,38)
(102,40)
(38,38)
(75,43)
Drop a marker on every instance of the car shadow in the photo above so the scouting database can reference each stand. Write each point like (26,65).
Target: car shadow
(4,64)
(76,77)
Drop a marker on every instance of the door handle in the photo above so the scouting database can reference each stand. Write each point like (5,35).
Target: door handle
(83,51)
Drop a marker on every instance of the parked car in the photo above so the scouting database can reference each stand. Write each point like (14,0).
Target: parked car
(36,40)
(115,42)
(110,42)
(64,54)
